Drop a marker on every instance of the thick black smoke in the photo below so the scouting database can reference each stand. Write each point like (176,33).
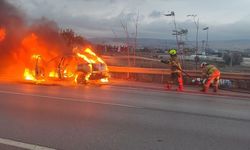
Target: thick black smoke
(14,21)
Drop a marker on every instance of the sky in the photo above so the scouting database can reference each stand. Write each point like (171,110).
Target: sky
(227,20)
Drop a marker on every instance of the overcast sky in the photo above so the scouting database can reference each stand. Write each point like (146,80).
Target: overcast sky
(226,19)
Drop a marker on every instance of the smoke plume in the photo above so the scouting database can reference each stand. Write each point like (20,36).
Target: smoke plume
(17,38)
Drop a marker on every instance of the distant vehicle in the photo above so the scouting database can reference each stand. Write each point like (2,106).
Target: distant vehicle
(201,56)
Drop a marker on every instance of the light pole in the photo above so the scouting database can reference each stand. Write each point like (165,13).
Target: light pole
(181,33)
(206,47)
(175,28)
(196,22)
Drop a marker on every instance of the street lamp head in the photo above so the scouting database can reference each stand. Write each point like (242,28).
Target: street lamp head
(167,14)
(171,14)
(206,28)
(191,15)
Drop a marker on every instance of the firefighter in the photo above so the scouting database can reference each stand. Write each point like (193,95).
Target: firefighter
(176,70)
(210,74)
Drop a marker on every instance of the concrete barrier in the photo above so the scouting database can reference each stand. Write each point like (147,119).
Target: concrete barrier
(227,81)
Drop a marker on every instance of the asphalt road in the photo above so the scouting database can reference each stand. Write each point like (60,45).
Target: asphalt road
(121,118)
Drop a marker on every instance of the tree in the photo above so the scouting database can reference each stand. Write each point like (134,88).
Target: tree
(237,59)
(232,58)
(72,39)
(68,35)
(227,58)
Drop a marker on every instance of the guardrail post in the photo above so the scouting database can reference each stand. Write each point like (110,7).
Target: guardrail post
(162,77)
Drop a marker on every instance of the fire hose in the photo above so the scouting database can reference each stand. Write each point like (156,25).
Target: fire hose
(165,62)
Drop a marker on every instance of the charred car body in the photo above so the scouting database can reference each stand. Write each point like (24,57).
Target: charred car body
(82,67)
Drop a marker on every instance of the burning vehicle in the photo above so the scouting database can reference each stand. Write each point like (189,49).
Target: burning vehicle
(41,51)
(82,66)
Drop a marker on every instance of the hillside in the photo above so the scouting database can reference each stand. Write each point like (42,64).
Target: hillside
(169,43)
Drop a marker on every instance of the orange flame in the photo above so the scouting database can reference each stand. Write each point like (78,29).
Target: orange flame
(89,74)
(61,71)
(2,34)
(98,59)
(30,53)
(29,75)
(53,74)
(104,80)
(90,57)
(85,58)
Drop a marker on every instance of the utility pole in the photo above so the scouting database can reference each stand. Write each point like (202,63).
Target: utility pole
(175,27)
(136,34)
(206,47)
(179,33)
(125,28)
(196,22)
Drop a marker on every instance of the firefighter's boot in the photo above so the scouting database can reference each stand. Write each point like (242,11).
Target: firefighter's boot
(216,84)
(180,88)
(204,89)
(215,89)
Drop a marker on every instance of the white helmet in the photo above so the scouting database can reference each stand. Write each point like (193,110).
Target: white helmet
(203,64)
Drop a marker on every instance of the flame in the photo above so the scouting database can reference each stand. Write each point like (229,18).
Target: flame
(89,73)
(85,58)
(2,34)
(98,59)
(32,44)
(39,59)
(67,69)
(87,76)
(36,56)
(28,75)
(53,74)
(32,74)
(33,53)
(90,57)
(104,80)
(76,78)
(68,74)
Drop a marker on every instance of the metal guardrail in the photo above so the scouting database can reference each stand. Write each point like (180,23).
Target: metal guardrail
(159,71)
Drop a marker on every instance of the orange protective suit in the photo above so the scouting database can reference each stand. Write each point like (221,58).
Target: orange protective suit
(212,74)
(176,74)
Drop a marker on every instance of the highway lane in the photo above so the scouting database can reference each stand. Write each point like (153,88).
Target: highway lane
(113,117)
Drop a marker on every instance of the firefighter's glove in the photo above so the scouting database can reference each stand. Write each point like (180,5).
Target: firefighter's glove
(203,81)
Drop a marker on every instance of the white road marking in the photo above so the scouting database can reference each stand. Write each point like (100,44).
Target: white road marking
(68,99)
(23,145)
